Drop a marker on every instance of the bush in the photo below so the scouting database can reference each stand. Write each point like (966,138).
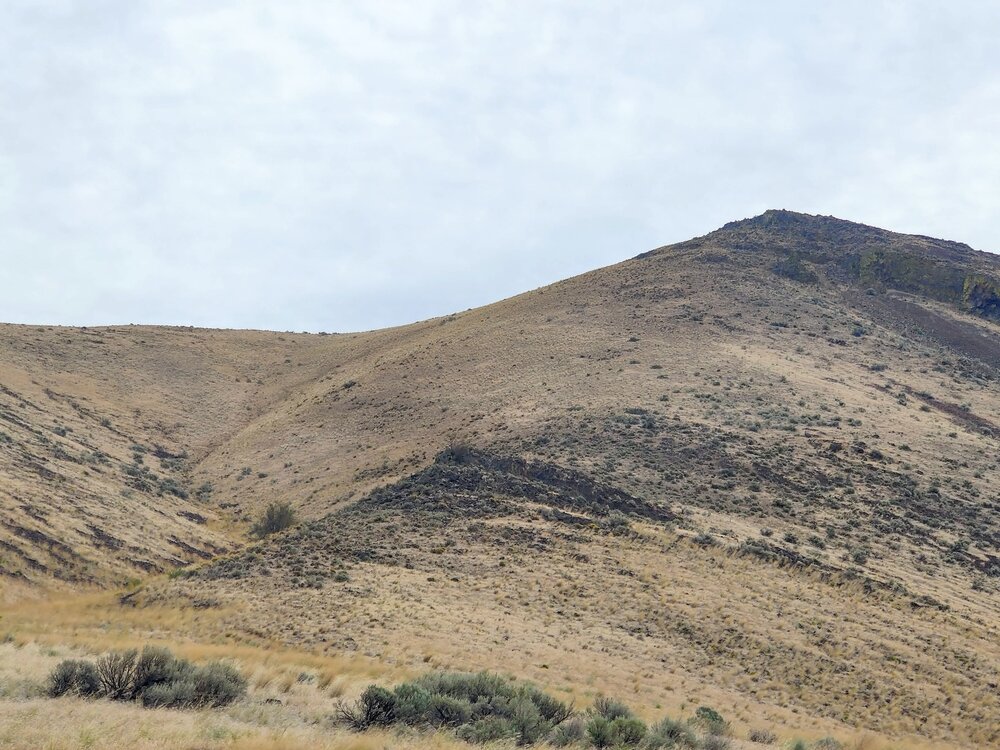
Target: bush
(375,708)
(217,684)
(628,732)
(715,742)
(116,672)
(827,743)
(599,732)
(571,732)
(611,709)
(552,709)
(527,720)
(481,707)
(710,720)
(73,677)
(489,729)
(445,711)
(762,736)
(155,665)
(174,694)
(276,517)
(155,677)
(670,733)
(412,702)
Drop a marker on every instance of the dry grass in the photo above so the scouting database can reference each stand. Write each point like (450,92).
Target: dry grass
(73,724)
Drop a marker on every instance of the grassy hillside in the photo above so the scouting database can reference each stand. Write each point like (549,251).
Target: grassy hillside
(758,469)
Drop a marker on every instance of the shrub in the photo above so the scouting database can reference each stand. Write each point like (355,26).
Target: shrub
(710,720)
(488,729)
(74,677)
(217,684)
(715,742)
(175,694)
(445,711)
(527,721)
(571,732)
(481,707)
(552,709)
(611,709)
(155,677)
(599,732)
(276,517)
(827,743)
(184,685)
(116,672)
(412,702)
(375,707)
(155,665)
(628,732)
(762,736)
(669,733)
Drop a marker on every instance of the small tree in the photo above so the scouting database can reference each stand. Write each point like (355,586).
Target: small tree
(277,516)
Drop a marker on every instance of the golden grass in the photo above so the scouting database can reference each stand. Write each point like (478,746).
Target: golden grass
(73,724)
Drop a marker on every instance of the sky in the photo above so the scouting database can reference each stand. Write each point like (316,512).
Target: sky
(334,166)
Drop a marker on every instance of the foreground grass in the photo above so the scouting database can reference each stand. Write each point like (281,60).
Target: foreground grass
(75,724)
(289,706)
(292,697)
(283,710)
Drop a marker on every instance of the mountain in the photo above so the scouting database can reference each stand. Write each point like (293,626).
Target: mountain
(758,468)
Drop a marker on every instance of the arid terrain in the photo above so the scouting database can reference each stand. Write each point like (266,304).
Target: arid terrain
(758,470)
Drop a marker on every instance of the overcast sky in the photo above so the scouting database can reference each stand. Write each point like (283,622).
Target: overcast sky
(319,165)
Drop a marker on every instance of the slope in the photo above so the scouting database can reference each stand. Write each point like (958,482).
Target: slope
(793,418)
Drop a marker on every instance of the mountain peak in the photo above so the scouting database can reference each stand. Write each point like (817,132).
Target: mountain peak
(861,255)
(780,221)
(781,229)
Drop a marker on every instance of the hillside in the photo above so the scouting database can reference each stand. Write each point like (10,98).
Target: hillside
(758,468)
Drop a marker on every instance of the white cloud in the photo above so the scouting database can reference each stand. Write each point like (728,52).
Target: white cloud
(336,165)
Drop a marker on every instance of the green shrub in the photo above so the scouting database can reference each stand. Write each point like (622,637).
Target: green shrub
(155,677)
(480,707)
(552,709)
(611,709)
(276,517)
(217,684)
(670,733)
(570,732)
(827,743)
(175,694)
(715,742)
(488,729)
(155,665)
(445,711)
(74,677)
(527,720)
(710,720)
(184,685)
(599,732)
(412,702)
(627,732)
